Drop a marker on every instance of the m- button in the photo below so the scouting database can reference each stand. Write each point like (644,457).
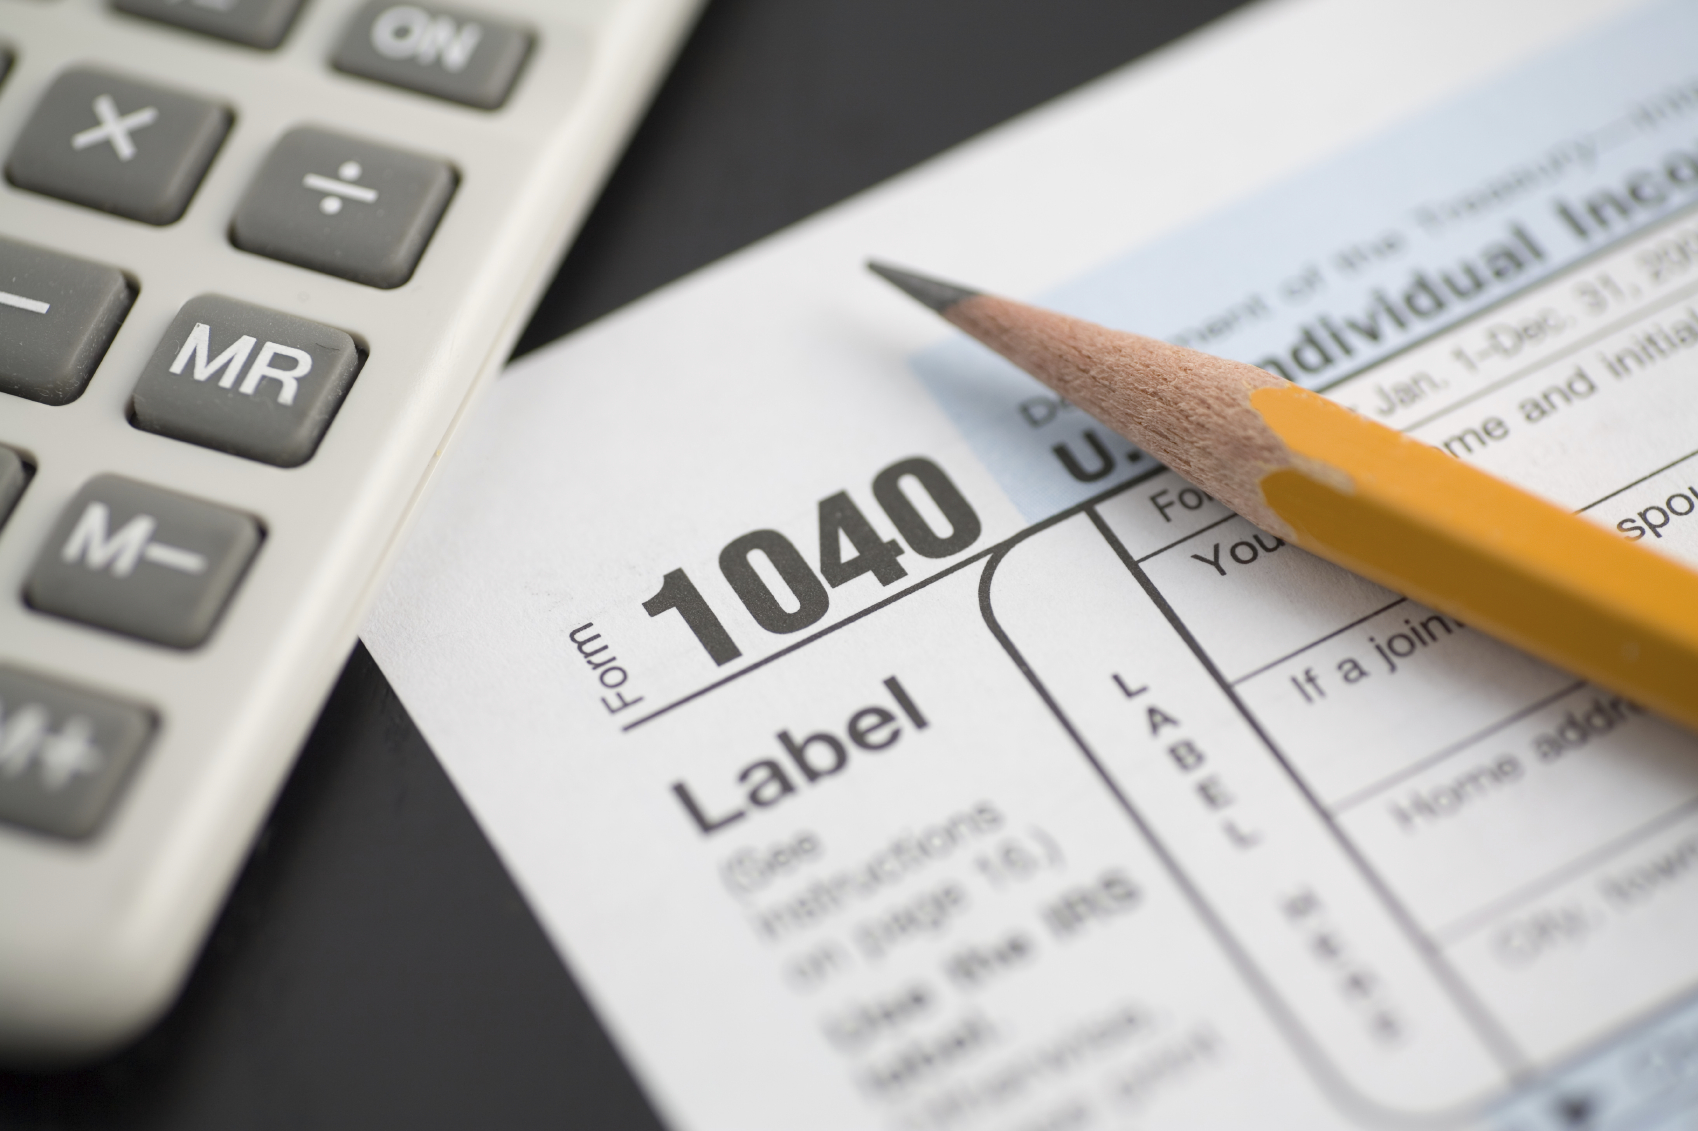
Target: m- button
(142,561)
(120,146)
(245,380)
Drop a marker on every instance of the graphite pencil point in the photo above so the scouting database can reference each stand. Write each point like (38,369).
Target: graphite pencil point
(935,293)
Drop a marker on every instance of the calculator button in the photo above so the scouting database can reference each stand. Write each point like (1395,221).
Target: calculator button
(64,753)
(121,146)
(446,52)
(343,206)
(57,316)
(257,23)
(142,561)
(13,476)
(245,380)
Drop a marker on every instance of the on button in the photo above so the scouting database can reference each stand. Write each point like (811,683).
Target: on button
(447,52)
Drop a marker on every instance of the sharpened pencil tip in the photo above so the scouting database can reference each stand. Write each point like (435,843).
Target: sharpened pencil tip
(935,293)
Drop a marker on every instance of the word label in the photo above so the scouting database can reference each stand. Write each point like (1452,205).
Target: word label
(810,761)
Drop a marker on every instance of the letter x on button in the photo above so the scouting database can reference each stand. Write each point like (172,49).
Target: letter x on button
(113,128)
(122,146)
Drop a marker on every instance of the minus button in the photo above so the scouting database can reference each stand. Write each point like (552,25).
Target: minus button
(34,306)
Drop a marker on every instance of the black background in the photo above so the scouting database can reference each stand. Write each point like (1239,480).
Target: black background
(376,967)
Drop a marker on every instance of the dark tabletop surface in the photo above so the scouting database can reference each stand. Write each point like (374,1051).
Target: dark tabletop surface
(375,967)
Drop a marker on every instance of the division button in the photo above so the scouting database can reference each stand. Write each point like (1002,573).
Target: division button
(13,476)
(245,380)
(120,146)
(57,316)
(256,23)
(64,753)
(343,206)
(142,561)
(447,52)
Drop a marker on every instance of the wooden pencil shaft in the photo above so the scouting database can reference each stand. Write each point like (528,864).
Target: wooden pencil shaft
(1367,498)
(1424,523)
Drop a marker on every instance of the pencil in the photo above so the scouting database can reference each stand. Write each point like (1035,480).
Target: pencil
(1408,516)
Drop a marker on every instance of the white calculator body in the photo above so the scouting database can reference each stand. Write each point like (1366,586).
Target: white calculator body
(255,257)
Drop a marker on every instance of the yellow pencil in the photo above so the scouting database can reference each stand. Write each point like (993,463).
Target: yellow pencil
(1359,494)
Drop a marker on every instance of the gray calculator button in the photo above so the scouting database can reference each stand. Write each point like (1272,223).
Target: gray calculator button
(245,380)
(57,316)
(13,476)
(447,52)
(257,23)
(64,753)
(343,206)
(142,561)
(121,146)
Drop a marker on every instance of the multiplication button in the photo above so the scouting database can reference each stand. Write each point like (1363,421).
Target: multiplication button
(142,561)
(64,753)
(57,316)
(121,146)
(343,206)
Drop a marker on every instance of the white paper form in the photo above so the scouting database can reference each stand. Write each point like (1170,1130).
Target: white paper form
(885,744)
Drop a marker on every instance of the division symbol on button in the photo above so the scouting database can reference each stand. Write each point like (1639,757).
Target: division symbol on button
(33,305)
(97,549)
(114,128)
(336,190)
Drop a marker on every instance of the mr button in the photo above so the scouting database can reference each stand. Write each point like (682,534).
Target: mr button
(245,380)
(142,561)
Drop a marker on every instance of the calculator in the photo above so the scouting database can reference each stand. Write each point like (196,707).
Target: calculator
(255,258)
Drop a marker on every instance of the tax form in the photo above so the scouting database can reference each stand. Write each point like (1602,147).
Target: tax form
(886,744)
